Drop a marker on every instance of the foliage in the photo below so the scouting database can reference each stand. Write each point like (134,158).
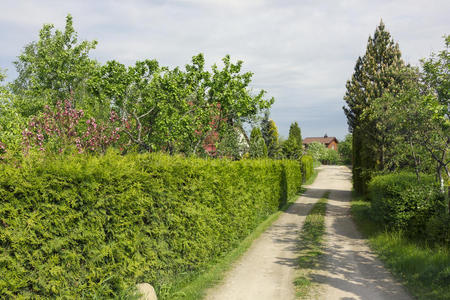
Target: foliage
(60,129)
(233,144)
(375,74)
(55,67)
(345,149)
(11,123)
(401,202)
(171,110)
(273,146)
(78,226)
(422,268)
(258,148)
(295,133)
(292,147)
(307,163)
(316,150)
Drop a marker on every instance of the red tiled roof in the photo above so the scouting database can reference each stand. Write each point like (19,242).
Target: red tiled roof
(322,140)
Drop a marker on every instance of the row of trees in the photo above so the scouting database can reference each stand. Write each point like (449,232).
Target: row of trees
(398,114)
(265,141)
(63,100)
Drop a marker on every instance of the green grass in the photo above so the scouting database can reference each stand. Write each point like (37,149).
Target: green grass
(194,286)
(310,246)
(424,270)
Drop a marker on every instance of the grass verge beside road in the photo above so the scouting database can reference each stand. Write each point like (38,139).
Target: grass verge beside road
(423,269)
(311,246)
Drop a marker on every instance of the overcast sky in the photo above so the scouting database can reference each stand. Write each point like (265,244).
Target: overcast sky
(301,52)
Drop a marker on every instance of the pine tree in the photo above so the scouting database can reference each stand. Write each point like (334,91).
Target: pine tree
(375,74)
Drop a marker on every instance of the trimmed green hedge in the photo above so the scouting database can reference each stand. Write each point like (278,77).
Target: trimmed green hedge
(307,163)
(95,226)
(401,202)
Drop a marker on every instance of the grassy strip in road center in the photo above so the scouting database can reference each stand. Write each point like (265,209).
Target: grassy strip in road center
(310,246)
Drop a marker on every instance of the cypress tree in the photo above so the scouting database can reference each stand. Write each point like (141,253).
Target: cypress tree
(273,147)
(258,147)
(375,74)
(296,134)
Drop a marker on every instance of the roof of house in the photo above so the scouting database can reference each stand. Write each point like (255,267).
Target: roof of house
(323,140)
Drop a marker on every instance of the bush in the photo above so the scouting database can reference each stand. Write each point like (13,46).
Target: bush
(84,226)
(307,163)
(401,202)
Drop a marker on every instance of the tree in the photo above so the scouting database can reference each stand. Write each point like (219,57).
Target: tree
(56,67)
(317,151)
(292,147)
(273,146)
(11,122)
(178,110)
(375,74)
(295,133)
(258,148)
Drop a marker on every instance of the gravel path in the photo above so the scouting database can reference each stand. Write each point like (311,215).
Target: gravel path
(351,271)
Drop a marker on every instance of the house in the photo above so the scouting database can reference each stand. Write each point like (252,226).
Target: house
(329,142)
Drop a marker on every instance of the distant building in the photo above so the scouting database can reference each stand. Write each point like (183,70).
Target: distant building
(329,142)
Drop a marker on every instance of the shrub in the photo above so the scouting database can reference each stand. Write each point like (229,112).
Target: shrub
(83,226)
(401,202)
(307,163)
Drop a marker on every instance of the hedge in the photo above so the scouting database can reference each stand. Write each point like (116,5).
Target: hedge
(85,226)
(307,163)
(401,202)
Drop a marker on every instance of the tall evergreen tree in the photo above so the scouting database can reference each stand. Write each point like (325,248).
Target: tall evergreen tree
(292,147)
(375,74)
(295,133)
(265,127)
(273,146)
(258,147)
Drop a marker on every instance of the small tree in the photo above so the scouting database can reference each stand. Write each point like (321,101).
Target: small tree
(273,146)
(292,147)
(258,148)
(55,67)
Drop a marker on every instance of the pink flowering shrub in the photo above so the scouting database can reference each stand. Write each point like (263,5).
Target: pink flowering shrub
(65,127)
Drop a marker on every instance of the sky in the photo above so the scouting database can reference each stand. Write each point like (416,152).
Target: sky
(301,52)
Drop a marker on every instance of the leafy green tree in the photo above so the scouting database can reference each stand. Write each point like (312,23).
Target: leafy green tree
(11,122)
(258,148)
(375,74)
(55,68)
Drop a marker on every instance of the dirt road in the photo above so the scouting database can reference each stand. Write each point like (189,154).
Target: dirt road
(350,271)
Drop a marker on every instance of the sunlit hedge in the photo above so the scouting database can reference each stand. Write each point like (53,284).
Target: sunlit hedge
(94,226)
(307,163)
(402,202)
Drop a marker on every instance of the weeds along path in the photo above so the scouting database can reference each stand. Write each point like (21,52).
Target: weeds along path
(267,269)
(350,270)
